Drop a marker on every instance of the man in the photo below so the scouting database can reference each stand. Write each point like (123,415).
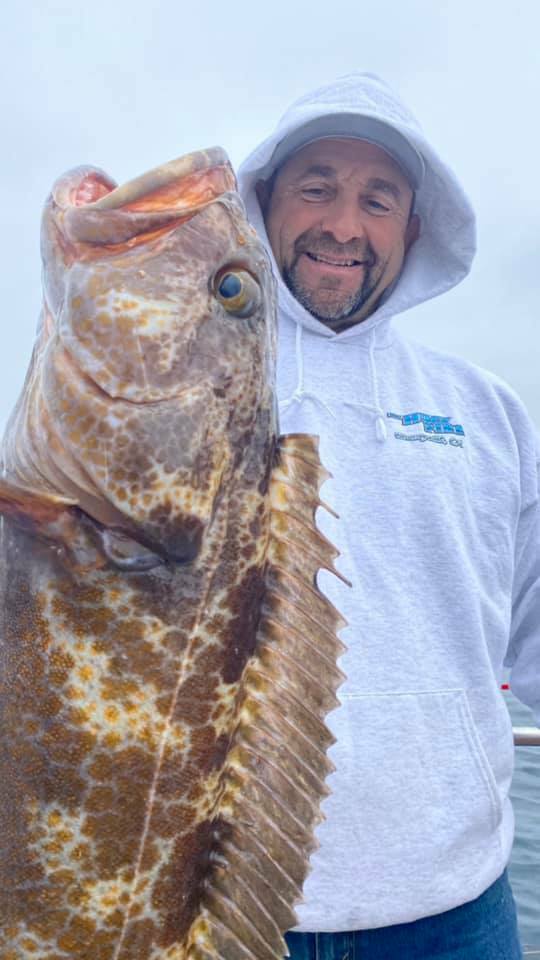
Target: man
(435,479)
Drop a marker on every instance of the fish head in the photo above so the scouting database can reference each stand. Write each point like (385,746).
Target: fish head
(154,369)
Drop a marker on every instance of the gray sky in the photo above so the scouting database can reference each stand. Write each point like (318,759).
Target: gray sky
(127,86)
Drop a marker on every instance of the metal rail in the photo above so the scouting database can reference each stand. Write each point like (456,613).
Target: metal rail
(527,737)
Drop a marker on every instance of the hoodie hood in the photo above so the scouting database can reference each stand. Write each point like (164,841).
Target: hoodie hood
(443,253)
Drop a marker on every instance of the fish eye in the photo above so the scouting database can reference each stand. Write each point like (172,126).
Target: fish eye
(230,286)
(237,291)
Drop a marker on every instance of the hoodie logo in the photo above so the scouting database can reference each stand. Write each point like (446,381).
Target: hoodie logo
(435,428)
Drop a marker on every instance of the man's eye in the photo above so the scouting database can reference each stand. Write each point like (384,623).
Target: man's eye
(314,193)
(376,206)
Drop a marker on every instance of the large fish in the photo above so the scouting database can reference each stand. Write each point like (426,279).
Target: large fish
(166,658)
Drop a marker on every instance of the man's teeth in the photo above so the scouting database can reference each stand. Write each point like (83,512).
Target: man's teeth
(334,263)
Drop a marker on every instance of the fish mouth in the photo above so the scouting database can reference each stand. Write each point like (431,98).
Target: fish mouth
(97,212)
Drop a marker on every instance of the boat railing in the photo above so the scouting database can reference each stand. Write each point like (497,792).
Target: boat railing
(524,736)
(527,737)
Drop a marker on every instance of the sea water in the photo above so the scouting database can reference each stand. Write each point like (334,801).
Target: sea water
(525,862)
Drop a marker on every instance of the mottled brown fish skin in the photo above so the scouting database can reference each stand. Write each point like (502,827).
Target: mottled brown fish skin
(166,660)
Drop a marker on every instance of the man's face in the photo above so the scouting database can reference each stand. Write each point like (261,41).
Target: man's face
(338,220)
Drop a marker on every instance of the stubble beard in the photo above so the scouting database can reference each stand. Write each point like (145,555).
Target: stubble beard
(321,303)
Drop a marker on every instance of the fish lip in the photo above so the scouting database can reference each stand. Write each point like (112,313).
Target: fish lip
(118,195)
(190,164)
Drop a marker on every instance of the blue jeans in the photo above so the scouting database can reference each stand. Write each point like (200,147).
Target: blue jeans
(485,929)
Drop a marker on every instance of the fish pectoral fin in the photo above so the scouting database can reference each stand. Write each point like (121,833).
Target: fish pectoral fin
(51,518)
(31,508)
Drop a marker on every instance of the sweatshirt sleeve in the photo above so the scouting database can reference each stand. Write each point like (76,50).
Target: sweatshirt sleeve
(523,655)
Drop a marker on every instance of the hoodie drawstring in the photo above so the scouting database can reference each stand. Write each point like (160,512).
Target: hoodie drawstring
(375,408)
(300,394)
(380,423)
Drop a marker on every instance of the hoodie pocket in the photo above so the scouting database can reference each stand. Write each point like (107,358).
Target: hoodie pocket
(421,752)
(414,811)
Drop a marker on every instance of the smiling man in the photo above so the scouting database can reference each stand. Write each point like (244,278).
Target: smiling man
(339,221)
(434,467)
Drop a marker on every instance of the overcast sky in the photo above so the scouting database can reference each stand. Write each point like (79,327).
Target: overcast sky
(127,86)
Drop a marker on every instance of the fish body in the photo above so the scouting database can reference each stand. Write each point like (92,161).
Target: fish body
(166,658)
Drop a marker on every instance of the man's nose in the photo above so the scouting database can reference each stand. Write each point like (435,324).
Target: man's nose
(344,220)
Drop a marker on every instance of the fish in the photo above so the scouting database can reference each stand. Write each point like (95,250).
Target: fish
(167,659)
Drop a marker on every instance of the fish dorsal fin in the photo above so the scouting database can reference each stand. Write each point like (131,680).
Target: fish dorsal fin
(274,775)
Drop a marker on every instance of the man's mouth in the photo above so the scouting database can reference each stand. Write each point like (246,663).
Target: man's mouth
(334,261)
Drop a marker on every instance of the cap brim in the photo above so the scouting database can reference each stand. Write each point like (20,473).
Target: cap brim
(356,127)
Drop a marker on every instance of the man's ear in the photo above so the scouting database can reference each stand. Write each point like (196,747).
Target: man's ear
(263,189)
(412,231)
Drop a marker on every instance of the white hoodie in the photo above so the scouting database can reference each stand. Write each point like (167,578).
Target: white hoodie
(435,478)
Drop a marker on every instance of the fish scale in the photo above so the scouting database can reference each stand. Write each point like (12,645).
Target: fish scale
(167,659)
